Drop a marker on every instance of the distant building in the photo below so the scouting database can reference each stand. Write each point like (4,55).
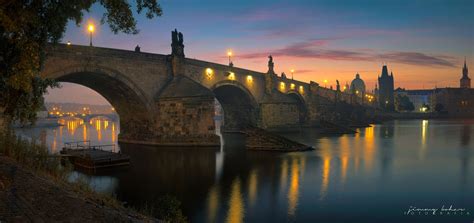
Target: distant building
(465,81)
(422,99)
(386,89)
(358,87)
(457,102)
(346,87)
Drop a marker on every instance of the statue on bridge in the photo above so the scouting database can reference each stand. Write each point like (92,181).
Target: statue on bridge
(177,38)
(174,37)
(177,43)
(338,86)
(180,39)
(270,64)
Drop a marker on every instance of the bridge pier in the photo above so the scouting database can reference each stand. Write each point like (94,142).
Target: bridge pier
(185,115)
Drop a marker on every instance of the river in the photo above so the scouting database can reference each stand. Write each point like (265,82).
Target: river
(381,174)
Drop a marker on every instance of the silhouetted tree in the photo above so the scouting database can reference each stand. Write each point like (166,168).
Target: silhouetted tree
(404,104)
(27,26)
(439,107)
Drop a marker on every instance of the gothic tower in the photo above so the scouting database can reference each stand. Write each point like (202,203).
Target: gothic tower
(465,80)
(385,91)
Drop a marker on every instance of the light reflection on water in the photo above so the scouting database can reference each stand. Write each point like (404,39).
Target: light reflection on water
(98,131)
(371,176)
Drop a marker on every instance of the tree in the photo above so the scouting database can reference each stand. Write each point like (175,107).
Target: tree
(404,103)
(439,107)
(26,28)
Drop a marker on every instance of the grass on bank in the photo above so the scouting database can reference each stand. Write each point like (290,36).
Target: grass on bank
(36,157)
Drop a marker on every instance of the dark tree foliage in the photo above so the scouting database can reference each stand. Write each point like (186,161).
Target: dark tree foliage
(439,107)
(404,103)
(27,26)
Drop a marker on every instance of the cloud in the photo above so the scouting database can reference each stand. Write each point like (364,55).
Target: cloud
(318,49)
(416,58)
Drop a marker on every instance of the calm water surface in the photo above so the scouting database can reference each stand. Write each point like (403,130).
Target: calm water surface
(375,175)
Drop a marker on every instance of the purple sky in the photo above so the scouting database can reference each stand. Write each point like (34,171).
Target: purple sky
(424,42)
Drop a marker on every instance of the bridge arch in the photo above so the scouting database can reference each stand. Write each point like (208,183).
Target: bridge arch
(302,106)
(239,105)
(117,89)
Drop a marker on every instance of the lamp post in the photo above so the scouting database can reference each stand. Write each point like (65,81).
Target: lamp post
(325,82)
(91,30)
(229,54)
(292,71)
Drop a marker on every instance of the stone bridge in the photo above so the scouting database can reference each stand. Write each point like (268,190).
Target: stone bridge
(110,116)
(170,99)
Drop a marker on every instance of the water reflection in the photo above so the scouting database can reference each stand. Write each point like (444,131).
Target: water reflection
(294,187)
(98,131)
(466,135)
(325,177)
(236,204)
(213,202)
(385,168)
(252,187)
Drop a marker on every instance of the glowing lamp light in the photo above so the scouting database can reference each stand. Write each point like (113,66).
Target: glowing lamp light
(301,88)
(231,76)
(357,92)
(68,43)
(325,81)
(209,73)
(229,53)
(249,78)
(91,28)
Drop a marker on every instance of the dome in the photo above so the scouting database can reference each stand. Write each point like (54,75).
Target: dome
(358,85)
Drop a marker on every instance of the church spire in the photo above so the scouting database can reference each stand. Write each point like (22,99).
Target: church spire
(464,69)
(465,80)
(384,71)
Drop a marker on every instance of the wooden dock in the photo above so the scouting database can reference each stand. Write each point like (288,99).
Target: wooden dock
(92,157)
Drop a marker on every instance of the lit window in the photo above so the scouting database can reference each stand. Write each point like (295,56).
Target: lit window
(282,86)
(292,86)
(301,89)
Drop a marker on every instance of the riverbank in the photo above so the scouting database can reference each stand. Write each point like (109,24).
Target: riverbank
(418,115)
(27,196)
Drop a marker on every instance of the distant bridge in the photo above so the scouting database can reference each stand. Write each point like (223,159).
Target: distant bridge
(110,116)
(169,99)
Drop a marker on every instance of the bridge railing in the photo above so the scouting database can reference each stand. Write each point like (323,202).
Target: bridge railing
(77,144)
(87,145)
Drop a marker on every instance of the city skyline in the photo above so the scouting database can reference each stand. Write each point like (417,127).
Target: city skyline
(320,40)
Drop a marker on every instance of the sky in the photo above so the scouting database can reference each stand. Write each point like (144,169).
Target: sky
(423,42)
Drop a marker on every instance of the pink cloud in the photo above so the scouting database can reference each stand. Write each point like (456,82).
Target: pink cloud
(315,49)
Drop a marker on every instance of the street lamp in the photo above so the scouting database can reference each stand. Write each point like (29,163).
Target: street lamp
(229,54)
(325,82)
(292,72)
(91,30)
